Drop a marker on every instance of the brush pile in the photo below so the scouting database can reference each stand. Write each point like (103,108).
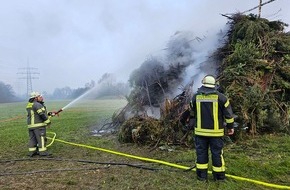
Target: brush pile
(253,71)
(143,129)
(151,116)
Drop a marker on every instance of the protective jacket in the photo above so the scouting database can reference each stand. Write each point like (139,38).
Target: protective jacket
(211,110)
(36,115)
(37,120)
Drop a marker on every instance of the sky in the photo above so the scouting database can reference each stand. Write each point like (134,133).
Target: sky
(72,42)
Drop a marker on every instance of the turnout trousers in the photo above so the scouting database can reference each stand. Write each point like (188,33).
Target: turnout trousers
(37,141)
(215,144)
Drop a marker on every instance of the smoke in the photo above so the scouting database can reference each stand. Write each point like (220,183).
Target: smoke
(205,62)
(186,58)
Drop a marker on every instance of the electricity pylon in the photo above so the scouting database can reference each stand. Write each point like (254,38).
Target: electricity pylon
(29,72)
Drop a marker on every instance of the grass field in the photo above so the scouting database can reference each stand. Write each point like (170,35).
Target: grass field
(264,158)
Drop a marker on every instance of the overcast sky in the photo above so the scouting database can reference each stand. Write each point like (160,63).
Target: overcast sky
(71,42)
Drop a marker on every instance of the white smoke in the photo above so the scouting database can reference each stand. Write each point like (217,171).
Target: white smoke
(204,63)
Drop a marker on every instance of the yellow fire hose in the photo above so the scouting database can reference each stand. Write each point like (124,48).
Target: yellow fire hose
(163,162)
(52,139)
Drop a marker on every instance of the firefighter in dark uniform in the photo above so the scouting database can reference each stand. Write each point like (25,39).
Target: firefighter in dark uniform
(37,121)
(211,110)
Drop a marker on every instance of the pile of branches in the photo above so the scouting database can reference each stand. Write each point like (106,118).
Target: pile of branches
(144,129)
(140,128)
(255,72)
(151,115)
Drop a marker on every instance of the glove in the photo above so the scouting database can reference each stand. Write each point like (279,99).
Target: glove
(51,114)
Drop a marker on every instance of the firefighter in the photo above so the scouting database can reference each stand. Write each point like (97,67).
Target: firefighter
(211,110)
(37,121)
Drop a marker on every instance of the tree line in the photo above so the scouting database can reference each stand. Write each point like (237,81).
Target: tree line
(106,86)
(7,93)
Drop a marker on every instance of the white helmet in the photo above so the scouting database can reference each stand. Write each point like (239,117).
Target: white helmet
(208,81)
(34,94)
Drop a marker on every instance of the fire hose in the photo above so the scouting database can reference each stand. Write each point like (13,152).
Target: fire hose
(186,168)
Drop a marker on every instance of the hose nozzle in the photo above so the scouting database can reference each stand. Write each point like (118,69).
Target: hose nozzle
(51,114)
(58,111)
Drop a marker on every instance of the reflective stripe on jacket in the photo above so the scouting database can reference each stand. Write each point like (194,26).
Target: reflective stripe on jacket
(211,109)
(36,115)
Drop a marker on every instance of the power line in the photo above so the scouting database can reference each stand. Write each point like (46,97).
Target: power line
(29,72)
(259,6)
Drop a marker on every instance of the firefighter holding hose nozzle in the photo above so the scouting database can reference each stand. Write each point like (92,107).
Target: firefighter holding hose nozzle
(37,121)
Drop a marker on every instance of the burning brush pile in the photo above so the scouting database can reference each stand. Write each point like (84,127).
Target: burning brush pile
(145,129)
(253,70)
(152,113)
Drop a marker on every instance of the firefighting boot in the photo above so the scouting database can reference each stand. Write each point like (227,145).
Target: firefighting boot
(219,176)
(32,153)
(45,153)
(201,174)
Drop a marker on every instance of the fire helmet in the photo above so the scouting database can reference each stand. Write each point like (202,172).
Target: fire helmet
(34,94)
(208,81)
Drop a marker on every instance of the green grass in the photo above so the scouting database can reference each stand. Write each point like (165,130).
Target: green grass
(264,158)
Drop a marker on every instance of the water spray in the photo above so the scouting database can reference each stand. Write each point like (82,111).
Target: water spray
(71,103)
